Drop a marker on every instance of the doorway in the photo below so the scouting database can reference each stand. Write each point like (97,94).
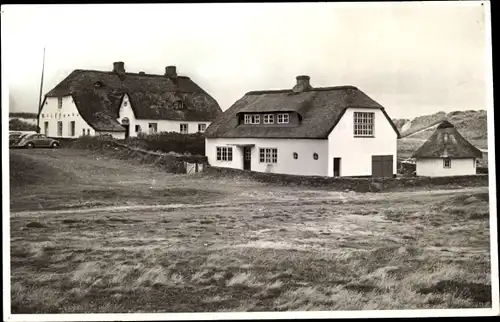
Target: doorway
(336,167)
(382,166)
(247,158)
(126,126)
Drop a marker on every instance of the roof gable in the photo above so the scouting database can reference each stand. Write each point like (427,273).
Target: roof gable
(98,96)
(320,110)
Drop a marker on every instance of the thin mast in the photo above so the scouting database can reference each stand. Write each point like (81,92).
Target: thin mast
(41,89)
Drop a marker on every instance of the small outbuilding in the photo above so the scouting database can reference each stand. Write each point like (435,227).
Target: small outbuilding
(446,153)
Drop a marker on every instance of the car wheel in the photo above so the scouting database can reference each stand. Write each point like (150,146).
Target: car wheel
(30,145)
(55,145)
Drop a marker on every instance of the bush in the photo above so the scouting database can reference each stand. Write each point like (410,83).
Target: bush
(18,125)
(170,142)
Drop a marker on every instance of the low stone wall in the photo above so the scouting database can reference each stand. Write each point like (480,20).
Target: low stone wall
(354,184)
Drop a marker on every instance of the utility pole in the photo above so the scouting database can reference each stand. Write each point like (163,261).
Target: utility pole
(40,96)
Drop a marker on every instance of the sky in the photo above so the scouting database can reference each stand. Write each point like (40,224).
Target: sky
(413,58)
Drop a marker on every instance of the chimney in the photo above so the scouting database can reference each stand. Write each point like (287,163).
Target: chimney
(171,71)
(302,84)
(119,67)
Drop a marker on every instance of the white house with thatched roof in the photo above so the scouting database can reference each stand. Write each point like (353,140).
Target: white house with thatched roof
(328,131)
(446,153)
(123,104)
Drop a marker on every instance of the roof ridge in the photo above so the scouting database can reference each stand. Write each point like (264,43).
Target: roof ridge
(127,73)
(314,89)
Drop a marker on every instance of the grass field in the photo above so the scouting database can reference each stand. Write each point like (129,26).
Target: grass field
(93,234)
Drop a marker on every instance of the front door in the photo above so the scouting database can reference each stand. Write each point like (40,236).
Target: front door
(382,166)
(127,130)
(247,158)
(336,167)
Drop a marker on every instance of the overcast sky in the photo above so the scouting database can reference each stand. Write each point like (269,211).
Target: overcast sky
(412,58)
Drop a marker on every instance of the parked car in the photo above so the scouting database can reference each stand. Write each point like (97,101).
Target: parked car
(14,138)
(37,141)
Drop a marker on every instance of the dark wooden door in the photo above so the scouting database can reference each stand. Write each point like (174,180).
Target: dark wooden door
(127,130)
(382,165)
(336,167)
(247,158)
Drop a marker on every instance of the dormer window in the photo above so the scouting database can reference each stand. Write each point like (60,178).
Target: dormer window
(252,119)
(268,119)
(178,105)
(283,118)
(98,84)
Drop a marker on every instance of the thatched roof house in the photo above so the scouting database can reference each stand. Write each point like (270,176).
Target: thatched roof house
(305,130)
(446,153)
(446,142)
(318,109)
(98,95)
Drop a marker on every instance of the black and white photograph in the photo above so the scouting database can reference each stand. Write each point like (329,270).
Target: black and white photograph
(183,161)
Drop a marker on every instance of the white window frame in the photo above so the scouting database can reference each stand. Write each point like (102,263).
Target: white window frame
(268,155)
(252,119)
(364,124)
(59,128)
(449,163)
(186,126)
(268,118)
(152,126)
(72,128)
(224,153)
(283,118)
(202,127)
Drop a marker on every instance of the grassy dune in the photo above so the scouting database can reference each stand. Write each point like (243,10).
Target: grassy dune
(267,248)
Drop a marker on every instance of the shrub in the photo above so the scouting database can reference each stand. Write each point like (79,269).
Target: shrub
(170,142)
(18,125)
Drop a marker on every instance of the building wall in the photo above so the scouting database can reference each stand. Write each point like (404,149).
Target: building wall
(356,152)
(434,167)
(162,125)
(116,135)
(68,112)
(303,165)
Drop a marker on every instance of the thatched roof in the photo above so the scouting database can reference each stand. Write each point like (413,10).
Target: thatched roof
(98,94)
(447,142)
(319,109)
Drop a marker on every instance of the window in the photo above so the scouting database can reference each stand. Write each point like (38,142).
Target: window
(59,128)
(268,155)
(447,163)
(83,131)
(283,118)
(59,102)
(46,128)
(252,119)
(125,103)
(295,155)
(153,128)
(474,163)
(184,128)
(42,115)
(363,124)
(315,156)
(224,153)
(137,128)
(178,105)
(72,128)
(268,118)
(88,131)
(202,127)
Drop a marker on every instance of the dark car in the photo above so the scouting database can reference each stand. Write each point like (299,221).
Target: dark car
(37,141)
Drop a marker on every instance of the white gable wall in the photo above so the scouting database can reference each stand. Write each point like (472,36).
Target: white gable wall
(304,165)
(68,112)
(356,152)
(162,125)
(434,167)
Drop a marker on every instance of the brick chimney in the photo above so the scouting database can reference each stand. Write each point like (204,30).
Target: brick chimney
(302,84)
(171,71)
(119,67)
